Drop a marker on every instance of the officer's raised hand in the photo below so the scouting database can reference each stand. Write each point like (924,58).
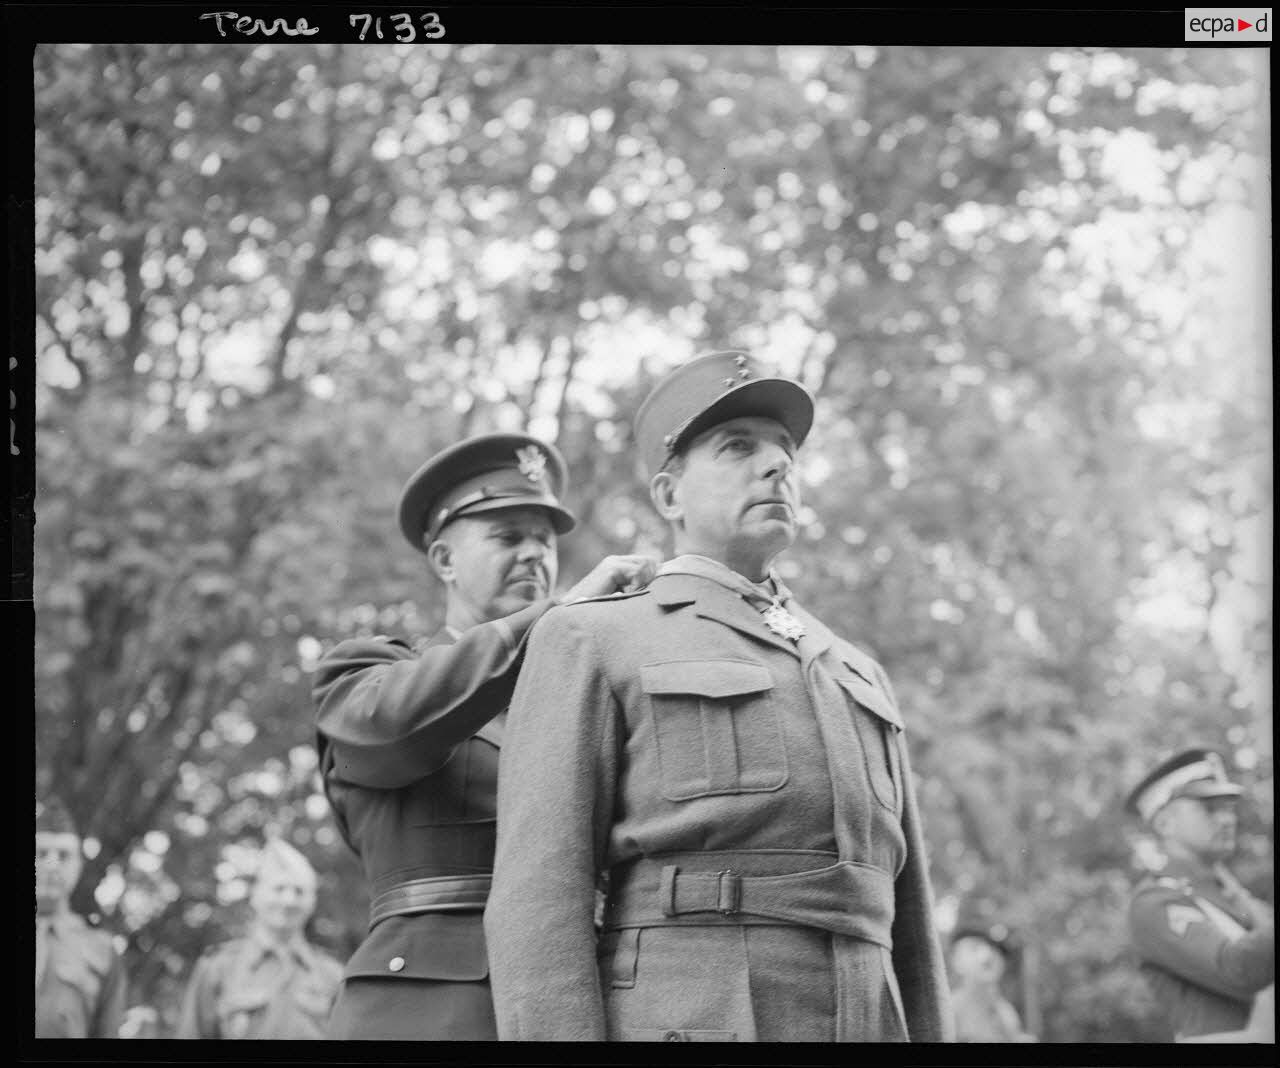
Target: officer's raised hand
(1259,912)
(614,573)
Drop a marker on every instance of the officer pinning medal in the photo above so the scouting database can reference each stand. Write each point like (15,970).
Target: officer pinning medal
(410,728)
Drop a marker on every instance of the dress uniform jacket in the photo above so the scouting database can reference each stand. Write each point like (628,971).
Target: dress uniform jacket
(80,981)
(763,852)
(409,745)
(252,987)
(1203,957)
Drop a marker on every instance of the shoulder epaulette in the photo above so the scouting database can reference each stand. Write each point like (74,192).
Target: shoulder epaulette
(860,660)
(344,649)
(390,640)
(618,595)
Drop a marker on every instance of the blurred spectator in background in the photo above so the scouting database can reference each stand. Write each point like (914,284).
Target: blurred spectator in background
(979,957)
(140,1021)
(80,980)
(271,983)
(1207,944)
(409,735)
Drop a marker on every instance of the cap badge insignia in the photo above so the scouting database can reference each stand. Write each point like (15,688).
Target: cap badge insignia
(533,464)
(1216,767)
(783,623)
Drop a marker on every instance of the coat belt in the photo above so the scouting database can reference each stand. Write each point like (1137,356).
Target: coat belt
(443,893)
(846,898)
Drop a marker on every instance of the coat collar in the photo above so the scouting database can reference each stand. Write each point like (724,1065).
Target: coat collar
(1196,876)
(717,601)
(1201,881)
(711,600)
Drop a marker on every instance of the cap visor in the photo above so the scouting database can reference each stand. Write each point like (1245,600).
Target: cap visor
(562,520)
(773,398)
(1203,790)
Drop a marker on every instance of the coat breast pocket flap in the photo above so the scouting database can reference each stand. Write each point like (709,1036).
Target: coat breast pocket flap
(717,731)
(879,725)
(872,698)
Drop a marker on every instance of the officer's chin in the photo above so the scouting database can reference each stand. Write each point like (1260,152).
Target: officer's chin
(519,596)
(777,528)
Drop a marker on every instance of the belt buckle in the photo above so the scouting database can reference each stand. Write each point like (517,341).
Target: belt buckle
(728,892)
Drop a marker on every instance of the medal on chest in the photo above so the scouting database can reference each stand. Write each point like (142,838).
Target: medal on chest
(783,623)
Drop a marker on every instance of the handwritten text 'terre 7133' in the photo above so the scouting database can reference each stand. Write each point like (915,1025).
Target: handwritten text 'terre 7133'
(401,26)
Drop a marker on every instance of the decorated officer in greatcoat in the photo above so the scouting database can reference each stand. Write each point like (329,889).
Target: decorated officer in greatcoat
(736,770)
(409,734)
(1206,943)
(272,983)
(80,980)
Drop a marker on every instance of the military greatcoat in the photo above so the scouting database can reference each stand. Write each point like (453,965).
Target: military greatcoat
(1203,955)
(763,850)
(409,742)
(80,981)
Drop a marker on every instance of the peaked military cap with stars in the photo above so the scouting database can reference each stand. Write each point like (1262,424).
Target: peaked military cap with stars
(1197,773)
(712,389)
(483,474)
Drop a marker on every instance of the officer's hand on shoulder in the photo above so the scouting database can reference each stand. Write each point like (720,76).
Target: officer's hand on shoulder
(612,574)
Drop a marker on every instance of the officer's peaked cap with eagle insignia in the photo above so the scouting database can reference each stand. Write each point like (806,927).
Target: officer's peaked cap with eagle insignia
(483,474)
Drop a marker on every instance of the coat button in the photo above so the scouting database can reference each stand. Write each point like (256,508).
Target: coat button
(396,964)
(673,1036)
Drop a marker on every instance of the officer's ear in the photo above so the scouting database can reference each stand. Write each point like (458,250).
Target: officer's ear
(440,557)
(662,492)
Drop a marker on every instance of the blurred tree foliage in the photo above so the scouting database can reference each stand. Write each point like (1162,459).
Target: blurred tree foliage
(272,279)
